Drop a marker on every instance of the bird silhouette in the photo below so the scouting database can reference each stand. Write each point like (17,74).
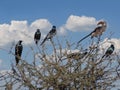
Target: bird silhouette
(109,51)
(77,55)
(97,31)
(37,36)
(18,51)
(50,34)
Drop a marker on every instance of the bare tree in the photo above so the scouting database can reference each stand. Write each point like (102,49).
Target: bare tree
(55,68)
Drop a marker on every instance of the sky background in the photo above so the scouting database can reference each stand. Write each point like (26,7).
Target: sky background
(74,19)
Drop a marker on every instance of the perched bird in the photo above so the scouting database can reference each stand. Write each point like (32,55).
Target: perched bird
(109,51)
(50,34)
(76,55)
(97,31)
(18,51)
(37,36)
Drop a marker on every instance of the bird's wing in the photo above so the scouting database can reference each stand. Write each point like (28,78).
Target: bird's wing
(109,50)
(49,35)
(96,32)
(20,48)
(37,35)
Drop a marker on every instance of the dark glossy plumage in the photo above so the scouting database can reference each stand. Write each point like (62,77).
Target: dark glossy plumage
(37,36)
(109,51)
(18,51)
(50,34)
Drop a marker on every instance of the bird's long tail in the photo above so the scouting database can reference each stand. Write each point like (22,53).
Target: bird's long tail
(84,38)
(43,41)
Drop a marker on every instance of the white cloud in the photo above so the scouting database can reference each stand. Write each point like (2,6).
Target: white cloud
(107,42)
(41,23)
(17,30)
(80,23)
(62,30)
(18,25)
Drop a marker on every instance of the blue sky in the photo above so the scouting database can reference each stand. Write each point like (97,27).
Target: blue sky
(55,12)
(27,15)
(58,11)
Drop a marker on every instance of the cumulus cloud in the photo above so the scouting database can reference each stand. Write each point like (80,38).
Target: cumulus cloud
(62,30)
(80,23)
(17,30)
(43,24)
(107,42)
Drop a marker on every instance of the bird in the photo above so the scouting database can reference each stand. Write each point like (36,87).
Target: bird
(18,51)
(37,36)
(76,55)
(50,35)
(97,32)
(109,51)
